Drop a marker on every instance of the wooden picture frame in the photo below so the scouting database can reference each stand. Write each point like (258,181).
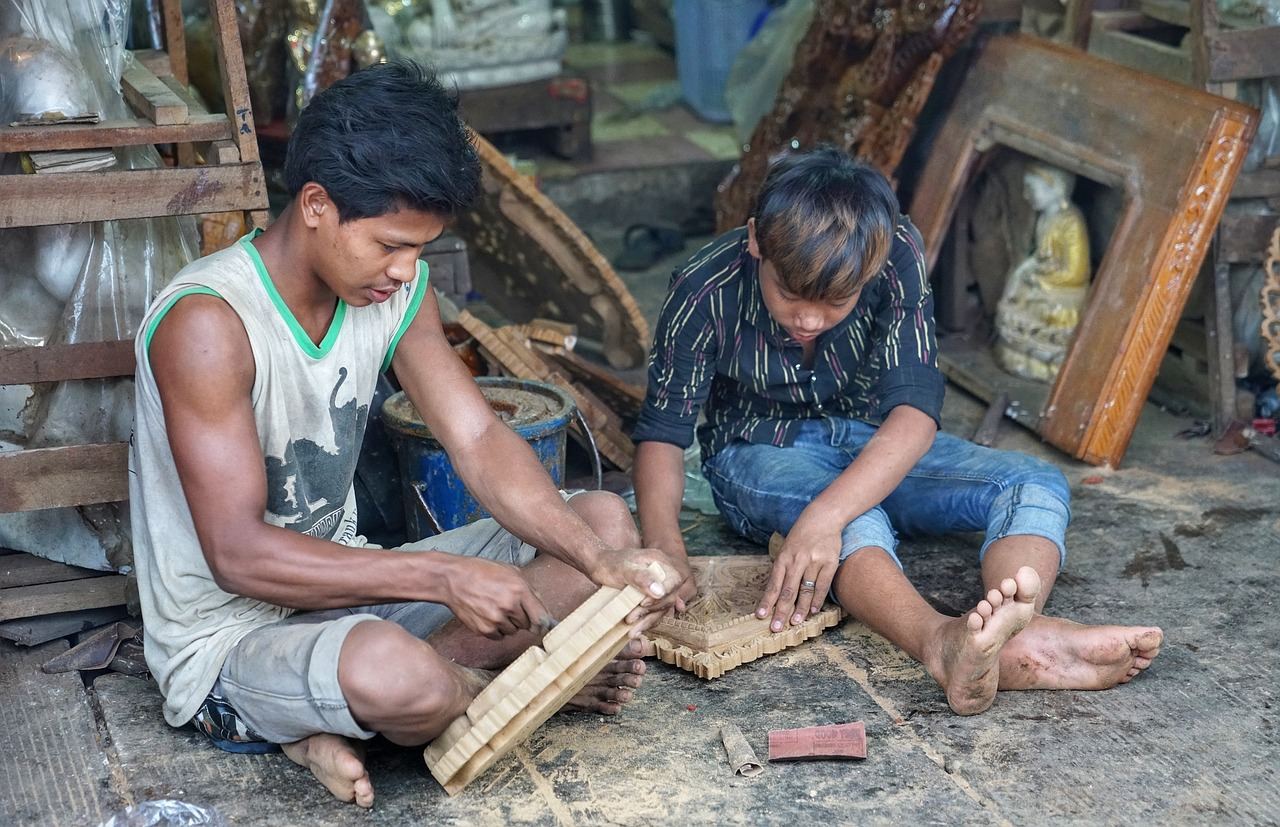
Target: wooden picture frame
(1174,152)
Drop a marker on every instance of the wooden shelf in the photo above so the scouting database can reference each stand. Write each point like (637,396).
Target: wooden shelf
(131,132)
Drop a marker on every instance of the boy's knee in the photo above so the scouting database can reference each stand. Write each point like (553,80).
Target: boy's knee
(1031,471)
(608,516)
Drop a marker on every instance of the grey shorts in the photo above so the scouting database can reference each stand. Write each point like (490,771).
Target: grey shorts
(280,682)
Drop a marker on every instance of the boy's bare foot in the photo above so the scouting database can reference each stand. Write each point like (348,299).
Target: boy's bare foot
(965,657)
(337,763)
(1053,653)
(615,684)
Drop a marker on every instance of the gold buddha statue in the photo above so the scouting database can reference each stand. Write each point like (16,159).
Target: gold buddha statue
(1044,294)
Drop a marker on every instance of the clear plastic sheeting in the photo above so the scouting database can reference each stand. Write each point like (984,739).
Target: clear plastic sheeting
(69,284)
(762,65)
(166,813)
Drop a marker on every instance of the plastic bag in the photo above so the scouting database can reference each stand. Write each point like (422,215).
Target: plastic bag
(166,813)
(763,64)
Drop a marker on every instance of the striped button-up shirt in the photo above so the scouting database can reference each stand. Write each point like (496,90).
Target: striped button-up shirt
(716,346)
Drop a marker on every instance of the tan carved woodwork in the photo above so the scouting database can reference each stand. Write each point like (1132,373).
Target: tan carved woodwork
(1271,305)
(720,630)
(532,688)
(529,260)
(859,79)
(1109,124)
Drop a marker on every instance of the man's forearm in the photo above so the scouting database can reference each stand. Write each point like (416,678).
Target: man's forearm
(659,480)
(901,440)
(288,568)
(505,476)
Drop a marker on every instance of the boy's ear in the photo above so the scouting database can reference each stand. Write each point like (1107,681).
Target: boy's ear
(752,246)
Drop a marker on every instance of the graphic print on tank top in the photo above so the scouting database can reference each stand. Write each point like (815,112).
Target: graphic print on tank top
(307,487)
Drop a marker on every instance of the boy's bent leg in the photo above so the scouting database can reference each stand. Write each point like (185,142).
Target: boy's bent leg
(961,654)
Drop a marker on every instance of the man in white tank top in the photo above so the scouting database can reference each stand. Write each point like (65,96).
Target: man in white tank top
(268,619)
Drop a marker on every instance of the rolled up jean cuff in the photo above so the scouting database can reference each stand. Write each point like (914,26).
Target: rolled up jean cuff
(1029,510)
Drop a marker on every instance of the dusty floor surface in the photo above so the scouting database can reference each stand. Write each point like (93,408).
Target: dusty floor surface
(1178,538)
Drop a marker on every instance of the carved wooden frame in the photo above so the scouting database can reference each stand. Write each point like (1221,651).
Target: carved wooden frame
(1173,151)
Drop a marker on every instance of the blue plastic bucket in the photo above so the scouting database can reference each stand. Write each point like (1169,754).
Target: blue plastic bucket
(435,499)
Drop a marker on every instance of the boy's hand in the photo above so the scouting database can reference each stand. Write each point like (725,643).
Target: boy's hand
(649,570)
(801,576)
(493,599)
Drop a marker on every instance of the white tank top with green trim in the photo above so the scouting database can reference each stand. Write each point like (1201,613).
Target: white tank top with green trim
(310,404)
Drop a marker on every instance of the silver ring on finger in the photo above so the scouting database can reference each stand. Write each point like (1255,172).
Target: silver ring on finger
(808,585)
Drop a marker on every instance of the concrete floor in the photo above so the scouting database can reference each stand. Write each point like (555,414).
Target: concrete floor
(1178,537)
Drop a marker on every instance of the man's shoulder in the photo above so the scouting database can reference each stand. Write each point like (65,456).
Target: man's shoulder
(717,266)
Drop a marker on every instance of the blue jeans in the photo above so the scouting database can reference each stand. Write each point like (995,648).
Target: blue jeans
(956,486)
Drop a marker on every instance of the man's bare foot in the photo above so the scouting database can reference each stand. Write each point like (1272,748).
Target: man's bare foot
(965,656)
(614,686)
(1053,653)
(337,763)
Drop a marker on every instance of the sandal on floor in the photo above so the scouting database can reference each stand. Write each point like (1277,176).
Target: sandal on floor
(644,245)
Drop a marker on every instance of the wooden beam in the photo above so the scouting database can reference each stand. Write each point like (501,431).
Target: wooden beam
(50,598)
(1176,12)
(128,132)
(155,60)
(235,82)
(56,363)
(144,193)
(29,570)
(59,477)
(175,40)
(1143,54)
(1242,54)
(147,95)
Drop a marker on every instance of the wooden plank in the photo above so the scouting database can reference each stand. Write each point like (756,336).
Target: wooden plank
(56,363)
(522,106)
(29,570)
(1143,54)
(156,60)
(59,477)
(1176,12)
(125,132)
(1242,54)
(33,631)
(148,96)
(235,83)
(144,193)
(175,40)
(1259,183)
(48,598)
(1244,238)
(223,152)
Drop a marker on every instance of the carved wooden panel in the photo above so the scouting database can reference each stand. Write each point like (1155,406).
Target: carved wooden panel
(859,79)
(532,688)
(1271,305)
(529,260)
(1112,125)
(720,630)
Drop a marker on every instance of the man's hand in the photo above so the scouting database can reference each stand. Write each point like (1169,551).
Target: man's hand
(801,576)
(675,550)
(652,572)
(493,599)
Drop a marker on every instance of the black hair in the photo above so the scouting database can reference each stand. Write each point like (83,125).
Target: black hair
(382,139)
(825,222)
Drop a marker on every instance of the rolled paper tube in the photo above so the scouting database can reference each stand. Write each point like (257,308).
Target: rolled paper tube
(742,758)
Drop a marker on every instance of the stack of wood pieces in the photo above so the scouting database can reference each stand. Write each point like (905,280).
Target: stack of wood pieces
(511,348)
(720,631)
(33,587)
(532,688)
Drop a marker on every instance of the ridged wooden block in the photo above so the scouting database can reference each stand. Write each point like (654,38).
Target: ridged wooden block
(720,630)
(533,688)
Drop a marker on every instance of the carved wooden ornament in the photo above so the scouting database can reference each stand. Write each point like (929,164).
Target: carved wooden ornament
(720,630)
(1271,305)
(532,688)
(859,79)
(1114,126)
(529,260)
